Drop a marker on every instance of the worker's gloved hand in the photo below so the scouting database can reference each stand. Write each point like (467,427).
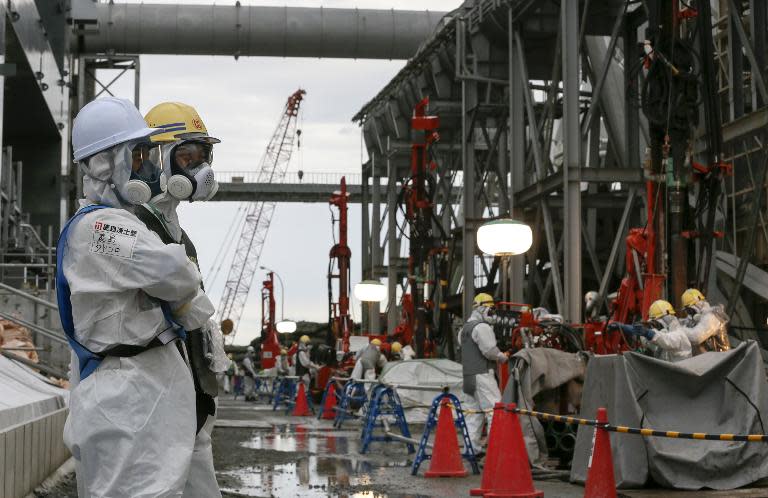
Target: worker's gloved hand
(632,330)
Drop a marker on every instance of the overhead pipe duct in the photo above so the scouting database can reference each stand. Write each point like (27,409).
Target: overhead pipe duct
(239,30)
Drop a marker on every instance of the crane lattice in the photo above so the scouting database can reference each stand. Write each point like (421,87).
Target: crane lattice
(258,217)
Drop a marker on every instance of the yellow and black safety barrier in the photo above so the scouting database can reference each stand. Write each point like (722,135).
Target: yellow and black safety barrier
(752,438)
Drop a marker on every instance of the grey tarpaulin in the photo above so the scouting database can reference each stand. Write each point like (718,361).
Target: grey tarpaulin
(712,393)
(539,369)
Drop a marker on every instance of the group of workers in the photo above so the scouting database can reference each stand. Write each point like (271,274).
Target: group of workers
(702,328)
(367,361)
(145,349)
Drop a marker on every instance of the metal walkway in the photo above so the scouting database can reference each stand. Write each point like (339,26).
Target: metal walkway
(242,186)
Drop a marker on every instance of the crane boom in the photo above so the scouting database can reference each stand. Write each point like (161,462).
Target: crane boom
(258,217)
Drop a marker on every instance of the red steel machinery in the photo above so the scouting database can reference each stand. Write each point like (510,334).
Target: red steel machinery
(427,252)
(340,324)
(270,346)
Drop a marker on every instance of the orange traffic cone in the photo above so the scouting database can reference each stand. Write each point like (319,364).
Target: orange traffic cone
(600,478)
(446,459)
(301,407)
(511,473)
(329,413)
(496,441)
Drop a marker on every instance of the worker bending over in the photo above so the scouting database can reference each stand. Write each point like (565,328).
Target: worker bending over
(705,325)
(367,360)
(305,367)
(479,355)
(666,335)
(250,374)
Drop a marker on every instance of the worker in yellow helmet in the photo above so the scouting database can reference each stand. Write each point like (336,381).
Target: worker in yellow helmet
(306,369)
(479,356)
(705,325)
(367,360)
(666,336)
(186,152)
(400,352)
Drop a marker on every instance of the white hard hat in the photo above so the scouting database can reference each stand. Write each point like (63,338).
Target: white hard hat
(250,349)
(104,123)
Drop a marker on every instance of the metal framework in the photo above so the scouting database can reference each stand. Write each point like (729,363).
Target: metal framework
(540,115)
(259,216)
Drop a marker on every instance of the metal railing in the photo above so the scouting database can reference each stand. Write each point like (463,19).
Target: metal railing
(308,177)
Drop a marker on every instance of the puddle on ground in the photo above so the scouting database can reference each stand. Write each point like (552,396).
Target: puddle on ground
(327,464)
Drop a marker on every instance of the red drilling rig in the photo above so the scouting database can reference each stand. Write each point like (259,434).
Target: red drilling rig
(270,346)
(340,324)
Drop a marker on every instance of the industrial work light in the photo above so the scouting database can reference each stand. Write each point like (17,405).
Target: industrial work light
(371,291)
(286,326)
(505,237)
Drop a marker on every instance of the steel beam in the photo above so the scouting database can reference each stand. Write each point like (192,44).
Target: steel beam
(393,249)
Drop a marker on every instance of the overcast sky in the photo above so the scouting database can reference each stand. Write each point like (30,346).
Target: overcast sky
(241,102)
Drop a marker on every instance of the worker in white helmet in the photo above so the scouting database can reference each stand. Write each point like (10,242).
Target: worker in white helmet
(125,299)
(705,325)
(187,153)
(479,356)
(250,374)
(368,360)
(306,369)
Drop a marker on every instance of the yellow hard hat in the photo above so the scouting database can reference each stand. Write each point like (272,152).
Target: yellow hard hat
(283,352)
(304,339)
(396,347)
(483,299)
(180,122)
(691,297)
(659,309)
(376,342)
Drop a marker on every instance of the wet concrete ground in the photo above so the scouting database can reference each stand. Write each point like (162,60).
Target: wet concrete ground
(261,453)
(264,453)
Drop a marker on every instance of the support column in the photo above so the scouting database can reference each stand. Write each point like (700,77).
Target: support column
(569,17)
(365,244)
(516,155)
(375,240)
(468,167)
(392,278)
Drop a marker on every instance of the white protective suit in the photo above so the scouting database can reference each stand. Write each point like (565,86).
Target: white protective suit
(407,353)
(131,426)
(249,380)
(362,373)
(487,392)
(708,322)
(202,476)
(303,357)
(671,342)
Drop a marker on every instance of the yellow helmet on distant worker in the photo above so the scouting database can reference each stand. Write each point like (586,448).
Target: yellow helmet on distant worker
(304,339)
(283,352)
(376,342)
(691,297)
(180,122)
(659,309)
(396,347)
(483,299)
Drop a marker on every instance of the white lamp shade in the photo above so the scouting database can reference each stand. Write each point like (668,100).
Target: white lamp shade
(370,291)
(286,327)
(504,237)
